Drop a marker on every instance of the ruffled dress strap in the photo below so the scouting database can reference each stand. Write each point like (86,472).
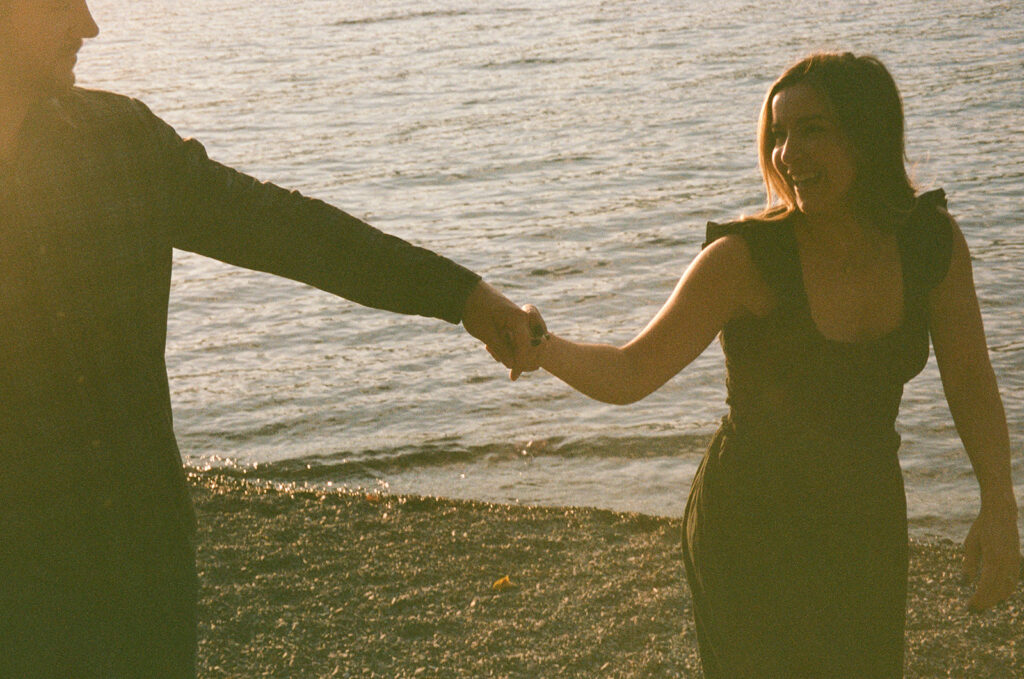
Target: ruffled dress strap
(772,249)
(926,241)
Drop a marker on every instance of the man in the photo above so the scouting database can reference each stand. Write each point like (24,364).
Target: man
(97,571)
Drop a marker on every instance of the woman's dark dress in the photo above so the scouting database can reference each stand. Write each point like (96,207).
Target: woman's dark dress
(795,539)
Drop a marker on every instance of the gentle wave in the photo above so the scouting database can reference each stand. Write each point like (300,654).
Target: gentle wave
(342,467)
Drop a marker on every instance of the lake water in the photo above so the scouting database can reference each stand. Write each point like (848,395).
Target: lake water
(571,152)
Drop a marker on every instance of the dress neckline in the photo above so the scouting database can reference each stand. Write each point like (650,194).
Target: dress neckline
(801,288)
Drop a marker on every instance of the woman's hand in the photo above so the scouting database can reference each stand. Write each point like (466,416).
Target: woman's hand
(993,557)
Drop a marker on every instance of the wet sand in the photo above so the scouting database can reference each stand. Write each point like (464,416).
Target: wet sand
(312,584)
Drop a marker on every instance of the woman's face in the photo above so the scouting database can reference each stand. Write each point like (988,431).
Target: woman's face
(810,152)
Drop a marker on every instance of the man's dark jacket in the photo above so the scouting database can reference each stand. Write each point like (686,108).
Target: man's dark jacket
(99,193)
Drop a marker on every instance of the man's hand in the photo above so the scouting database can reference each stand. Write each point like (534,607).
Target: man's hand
(493,319)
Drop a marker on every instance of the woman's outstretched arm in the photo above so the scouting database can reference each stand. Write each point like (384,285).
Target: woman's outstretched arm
(719,285)
(993,543)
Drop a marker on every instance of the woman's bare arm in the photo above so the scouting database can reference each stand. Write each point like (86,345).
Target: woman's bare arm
(969,382)
(719,285)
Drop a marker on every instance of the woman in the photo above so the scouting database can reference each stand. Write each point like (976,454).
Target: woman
(795,540)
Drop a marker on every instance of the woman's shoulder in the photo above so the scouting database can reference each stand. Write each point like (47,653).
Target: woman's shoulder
(763,243)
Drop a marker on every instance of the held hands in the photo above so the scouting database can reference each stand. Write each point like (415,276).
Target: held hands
(512,335)
(527,355)
(529,360)
(992,557)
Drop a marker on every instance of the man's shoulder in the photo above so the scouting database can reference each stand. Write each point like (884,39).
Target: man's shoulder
(85,95)
(99,108)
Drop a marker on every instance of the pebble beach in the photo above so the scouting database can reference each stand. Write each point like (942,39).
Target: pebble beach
(302,583)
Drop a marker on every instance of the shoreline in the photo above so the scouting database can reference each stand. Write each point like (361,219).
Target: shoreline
(300,583)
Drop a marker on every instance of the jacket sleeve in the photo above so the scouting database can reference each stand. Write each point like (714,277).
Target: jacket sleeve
(221,213)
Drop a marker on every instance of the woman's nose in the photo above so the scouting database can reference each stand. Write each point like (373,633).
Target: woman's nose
(789,151)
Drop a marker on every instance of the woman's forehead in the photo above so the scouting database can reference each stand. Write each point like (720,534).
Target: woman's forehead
(799,102)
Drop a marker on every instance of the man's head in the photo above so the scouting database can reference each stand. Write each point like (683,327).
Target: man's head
(39,40)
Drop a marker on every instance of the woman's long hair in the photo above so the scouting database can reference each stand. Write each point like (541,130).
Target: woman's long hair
(869,111)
